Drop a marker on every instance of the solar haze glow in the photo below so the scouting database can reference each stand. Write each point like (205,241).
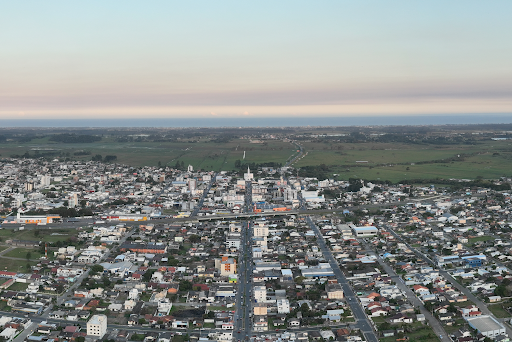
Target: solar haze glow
(97,59)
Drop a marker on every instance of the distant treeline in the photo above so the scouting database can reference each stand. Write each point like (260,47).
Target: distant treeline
(74,138)
(455,184)
(107,159)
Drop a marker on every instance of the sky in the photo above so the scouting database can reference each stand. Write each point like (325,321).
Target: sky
(176,59)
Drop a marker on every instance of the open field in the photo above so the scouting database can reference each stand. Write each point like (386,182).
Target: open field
(38,234)
(480,238)
(15,265)
(419,332)
(367,159)
(22,253)
(202,154)
(499,311)
(396,162)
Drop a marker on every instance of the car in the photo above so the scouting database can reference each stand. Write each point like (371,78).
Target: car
(239,331)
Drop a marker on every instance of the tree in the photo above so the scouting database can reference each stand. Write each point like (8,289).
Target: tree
(185,285)
(194,238)
(29,255)
(97,269)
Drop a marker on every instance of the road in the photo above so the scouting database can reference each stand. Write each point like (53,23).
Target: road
(248,197)
(243,299)
(413,299)
(300,153)
(199,205)
(481,305)
(362,321)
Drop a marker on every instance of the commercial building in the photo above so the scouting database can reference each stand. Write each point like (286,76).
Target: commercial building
(260,294)
(226,266)
(36,219)
(97,326)
(149,248)
(365,231)
(334,291)
(486,325)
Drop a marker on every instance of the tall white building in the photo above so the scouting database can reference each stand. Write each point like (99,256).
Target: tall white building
(73,200)
(192,185)
(260,294)
(45,180)
(283,306)
(260,229)
(97,326)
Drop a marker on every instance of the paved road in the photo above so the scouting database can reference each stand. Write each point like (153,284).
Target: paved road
(199,206)
(362,321)
(301,152)
(243,301)
(413,299)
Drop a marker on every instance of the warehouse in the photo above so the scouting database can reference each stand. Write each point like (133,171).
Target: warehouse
(486,325)
(365,231)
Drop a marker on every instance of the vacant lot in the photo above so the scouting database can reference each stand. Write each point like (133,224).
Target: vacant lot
(499,311)
(38,234)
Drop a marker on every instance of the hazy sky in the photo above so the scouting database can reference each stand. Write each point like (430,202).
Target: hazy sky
(89,59)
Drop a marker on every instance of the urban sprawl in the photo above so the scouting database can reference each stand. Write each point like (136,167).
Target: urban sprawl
(157,254)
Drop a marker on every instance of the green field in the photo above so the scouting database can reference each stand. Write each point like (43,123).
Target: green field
(206,155)
(15,265)
(22,253)
(396,162)
(369,160)
(480,238)
(44,234)
(499,311)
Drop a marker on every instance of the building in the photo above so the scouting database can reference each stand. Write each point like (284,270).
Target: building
(97,326)
(150,248)
(365,231)
(248,176)
(472,262)
(334,291)
(283,306)
(486,325)
(260,294)
(226,266)
(260,309)
(260,229)
(37,219)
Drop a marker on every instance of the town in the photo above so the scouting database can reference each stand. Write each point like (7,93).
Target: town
(101,251)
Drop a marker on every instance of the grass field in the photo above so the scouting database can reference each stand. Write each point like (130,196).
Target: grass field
(396,162)
(18,287)
(15,265)
(202,154)
(419,332)
(46,235)
(499,311)
(384,161)
(480,238)
(22,253)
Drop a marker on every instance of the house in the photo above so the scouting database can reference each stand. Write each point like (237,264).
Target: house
(400,318)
